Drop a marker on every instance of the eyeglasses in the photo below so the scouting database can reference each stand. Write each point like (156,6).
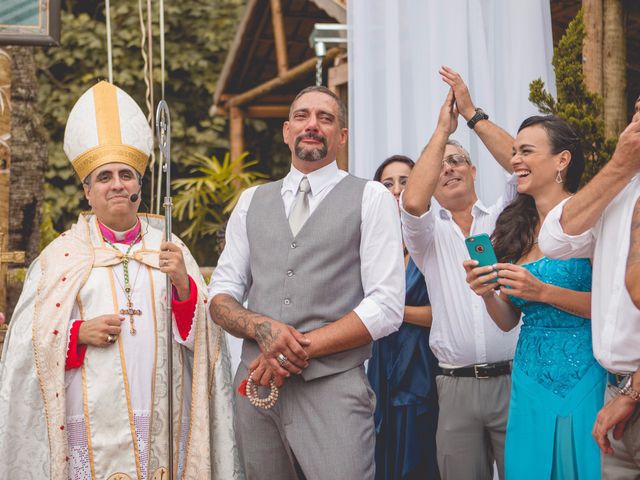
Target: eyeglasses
(455,160)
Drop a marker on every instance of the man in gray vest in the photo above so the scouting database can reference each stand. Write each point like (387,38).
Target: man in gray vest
(318,258)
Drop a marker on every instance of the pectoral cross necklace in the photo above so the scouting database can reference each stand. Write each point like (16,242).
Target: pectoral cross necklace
(127,288)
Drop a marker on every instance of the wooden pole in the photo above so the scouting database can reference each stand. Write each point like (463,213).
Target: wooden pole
(5,163)
(236,131)
(592,47)
(615,69)
(267,111)
(288,77)
(280,37)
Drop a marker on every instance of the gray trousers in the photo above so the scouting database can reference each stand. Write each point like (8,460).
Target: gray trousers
(318,430)
(472,426)
(625,462)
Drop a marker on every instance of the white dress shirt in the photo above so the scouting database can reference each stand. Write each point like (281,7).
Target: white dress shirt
(462,332)
(615,321)
(382,265)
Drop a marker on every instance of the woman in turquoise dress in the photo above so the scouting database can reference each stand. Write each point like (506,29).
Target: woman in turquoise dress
(557,385)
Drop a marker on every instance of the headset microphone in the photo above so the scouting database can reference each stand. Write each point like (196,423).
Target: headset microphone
(134,197)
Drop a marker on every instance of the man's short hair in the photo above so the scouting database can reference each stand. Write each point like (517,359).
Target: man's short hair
(462,150)
(342,109)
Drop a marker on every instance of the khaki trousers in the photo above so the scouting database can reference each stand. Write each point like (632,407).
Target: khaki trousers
(472,426)
(625,462)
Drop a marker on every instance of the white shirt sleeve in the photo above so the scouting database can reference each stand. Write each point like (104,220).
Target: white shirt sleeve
(555,243)
(382,263)
(418,232)
(233,272)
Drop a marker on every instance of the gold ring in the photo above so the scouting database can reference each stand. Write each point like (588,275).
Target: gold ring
(111,338)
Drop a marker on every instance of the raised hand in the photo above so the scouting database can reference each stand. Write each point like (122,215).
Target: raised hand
(627,153)
(101,331)
(461,92)
(448,116)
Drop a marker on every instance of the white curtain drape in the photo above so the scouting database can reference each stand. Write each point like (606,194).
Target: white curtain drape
(395,92)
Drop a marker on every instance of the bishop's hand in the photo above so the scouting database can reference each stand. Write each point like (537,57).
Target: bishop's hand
(101,331)
(172,263)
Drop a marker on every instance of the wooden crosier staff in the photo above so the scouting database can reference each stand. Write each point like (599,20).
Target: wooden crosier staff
(163,132)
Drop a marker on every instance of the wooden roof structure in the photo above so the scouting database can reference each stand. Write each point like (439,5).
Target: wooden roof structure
(270,59)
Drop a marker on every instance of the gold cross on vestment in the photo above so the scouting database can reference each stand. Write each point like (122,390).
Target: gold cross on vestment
(131,312)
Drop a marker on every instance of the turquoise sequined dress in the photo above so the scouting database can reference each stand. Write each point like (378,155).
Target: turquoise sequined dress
(557,385)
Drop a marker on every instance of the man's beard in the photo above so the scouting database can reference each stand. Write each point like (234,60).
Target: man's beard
(312,154)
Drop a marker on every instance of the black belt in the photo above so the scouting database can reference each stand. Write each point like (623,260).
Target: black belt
(482,370)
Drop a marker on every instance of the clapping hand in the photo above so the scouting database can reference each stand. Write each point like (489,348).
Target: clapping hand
(448,116)
(460,91)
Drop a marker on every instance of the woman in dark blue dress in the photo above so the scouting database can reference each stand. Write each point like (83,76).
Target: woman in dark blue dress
(402,372)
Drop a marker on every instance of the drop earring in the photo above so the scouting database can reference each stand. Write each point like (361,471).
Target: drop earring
(559,177)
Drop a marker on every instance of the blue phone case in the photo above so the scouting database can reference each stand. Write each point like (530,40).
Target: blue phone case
(481,250)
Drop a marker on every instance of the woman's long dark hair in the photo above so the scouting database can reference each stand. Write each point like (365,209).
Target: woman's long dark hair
(514,235)
(394,158)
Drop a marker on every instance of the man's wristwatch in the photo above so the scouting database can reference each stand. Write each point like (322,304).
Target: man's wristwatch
(479,115)
(629,391)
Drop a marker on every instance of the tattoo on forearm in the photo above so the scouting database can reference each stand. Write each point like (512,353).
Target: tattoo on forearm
(265,335)
(634,244)
(233,317)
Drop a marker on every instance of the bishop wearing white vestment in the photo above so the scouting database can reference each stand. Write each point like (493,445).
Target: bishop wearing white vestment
(83,378)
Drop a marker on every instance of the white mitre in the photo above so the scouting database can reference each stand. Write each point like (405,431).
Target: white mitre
(107,126)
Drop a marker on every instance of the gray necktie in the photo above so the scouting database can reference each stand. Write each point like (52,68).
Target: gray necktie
(300,208)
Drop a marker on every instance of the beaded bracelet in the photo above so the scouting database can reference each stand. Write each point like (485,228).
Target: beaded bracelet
(255,400)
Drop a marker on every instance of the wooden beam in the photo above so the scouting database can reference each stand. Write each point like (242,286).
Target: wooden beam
(288,77)
(268,111)
(279,36)
(592,47)
(248,57)
(221,85)
(236,131)
(615,69)
(337,76)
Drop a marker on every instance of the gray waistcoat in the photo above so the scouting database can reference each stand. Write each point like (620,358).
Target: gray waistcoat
(310,280)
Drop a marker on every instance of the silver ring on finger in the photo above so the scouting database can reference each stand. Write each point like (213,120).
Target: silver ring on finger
(282,359)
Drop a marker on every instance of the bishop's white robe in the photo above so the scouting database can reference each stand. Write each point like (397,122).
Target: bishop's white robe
(109,417)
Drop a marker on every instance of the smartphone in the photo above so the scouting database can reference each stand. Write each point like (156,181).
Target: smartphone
(481,250)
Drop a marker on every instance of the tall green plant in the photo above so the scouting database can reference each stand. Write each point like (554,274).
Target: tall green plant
(574,103)
(205,199)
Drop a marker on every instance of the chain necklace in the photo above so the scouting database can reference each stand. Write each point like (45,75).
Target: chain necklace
(128,290)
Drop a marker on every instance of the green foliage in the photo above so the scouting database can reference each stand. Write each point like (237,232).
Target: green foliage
(198,33)
(575,104)
(205,199)
(48,232)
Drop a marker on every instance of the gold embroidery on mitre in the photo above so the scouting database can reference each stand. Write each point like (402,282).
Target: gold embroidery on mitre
(160,474)
(95,157)
(105,100)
